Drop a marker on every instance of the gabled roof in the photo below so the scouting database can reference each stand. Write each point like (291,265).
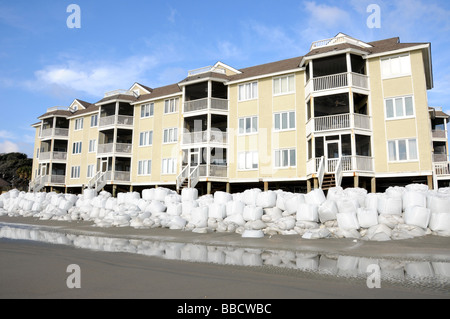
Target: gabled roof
(160,92)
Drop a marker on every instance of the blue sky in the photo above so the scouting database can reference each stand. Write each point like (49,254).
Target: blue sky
(43,63)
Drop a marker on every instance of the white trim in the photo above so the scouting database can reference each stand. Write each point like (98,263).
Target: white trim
(333,52)
(403,174)
(163,97)
(226,66)
(398,51)
(268,75)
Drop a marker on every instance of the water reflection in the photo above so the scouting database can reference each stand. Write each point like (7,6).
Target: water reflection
(426,273)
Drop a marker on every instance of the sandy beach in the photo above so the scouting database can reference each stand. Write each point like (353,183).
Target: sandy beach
(172,264)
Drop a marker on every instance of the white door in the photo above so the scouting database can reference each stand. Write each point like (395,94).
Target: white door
(333,151)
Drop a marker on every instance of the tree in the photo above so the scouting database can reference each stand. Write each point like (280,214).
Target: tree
(16,169)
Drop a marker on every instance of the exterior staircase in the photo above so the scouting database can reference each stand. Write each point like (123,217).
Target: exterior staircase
(188,177)
(37,184)
(98,181)
(329,180)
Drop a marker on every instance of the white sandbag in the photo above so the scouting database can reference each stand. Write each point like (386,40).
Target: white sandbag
(390,205)
(371,201)
(177,222)
(417,188)
(222,197)
(327,211)
(27,205)
(357,193)
(367,217)
(390,220)
(395,191)
(174,209)
(334,193)
(65,205)
(440,222)
(347,221)
(414,198)
(316,233)
(235,219)
(172,199)
(161,193)
(285,223)
(417,216)
(266,199)
(189,194)
(379,232)
(282,197)
(307,212)
(249,196)
(217,210)
(252,213)
(292,203)
(271,214)
(439,203)
(199,216)
(251,233)
(157,207)
(315,197)
(130,197)
(235,207)
(187,207)
(404,231)
(89,193)
(255,224)
(347,205)
(148,194)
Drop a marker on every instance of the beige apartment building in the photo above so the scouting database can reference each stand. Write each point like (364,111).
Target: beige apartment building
(348,113)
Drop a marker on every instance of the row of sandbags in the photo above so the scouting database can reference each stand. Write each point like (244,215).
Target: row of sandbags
(398,213)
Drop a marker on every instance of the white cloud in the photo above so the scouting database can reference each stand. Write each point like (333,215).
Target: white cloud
(325,16)
(94,77)
(8,147)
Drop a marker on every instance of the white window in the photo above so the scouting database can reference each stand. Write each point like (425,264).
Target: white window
(147,110)
(396,66)
(248,91)
(146,138)
(37,152)
(78,124)
(75,172)
(171,106)
(399,107)
(92,146)
(169,165)
(285,158)
(170,135)
(248,160)
(284,121)
(90,170)
(145,167)
(403,150)
(76,147)
(248,125)
(94,120)
(283,85)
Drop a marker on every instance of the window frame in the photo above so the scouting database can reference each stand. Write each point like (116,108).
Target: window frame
(280,159)
(172,132)
(281,129)
(93,143)
(94,118)
(391,75)
(169,108)
(394,107)
(77,148)
(407,142)
(151,110)
(165,163)
(147,140)
(249,88)
(289,78)
(253,130)
(144,167)
(79,124)
(247,166)
(75,172)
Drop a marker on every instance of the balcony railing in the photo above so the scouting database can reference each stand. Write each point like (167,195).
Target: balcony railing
(203,104)
(126,120)
(440,157)
(205,137)
(55,132)
(335,81)
(337,122)
(349,163)
(58,156)
(438,134)
(214,170)
(119,148)
(442,168)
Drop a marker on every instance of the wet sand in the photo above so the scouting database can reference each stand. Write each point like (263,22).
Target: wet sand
(30,269)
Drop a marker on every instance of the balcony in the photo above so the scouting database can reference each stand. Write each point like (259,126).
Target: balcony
(349,164)
(438,134)
(205,137)
(206,104)
(55,156)
(336,81)
(120,148)
(338,122)
(120,120)
(442,169)
(54,132)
